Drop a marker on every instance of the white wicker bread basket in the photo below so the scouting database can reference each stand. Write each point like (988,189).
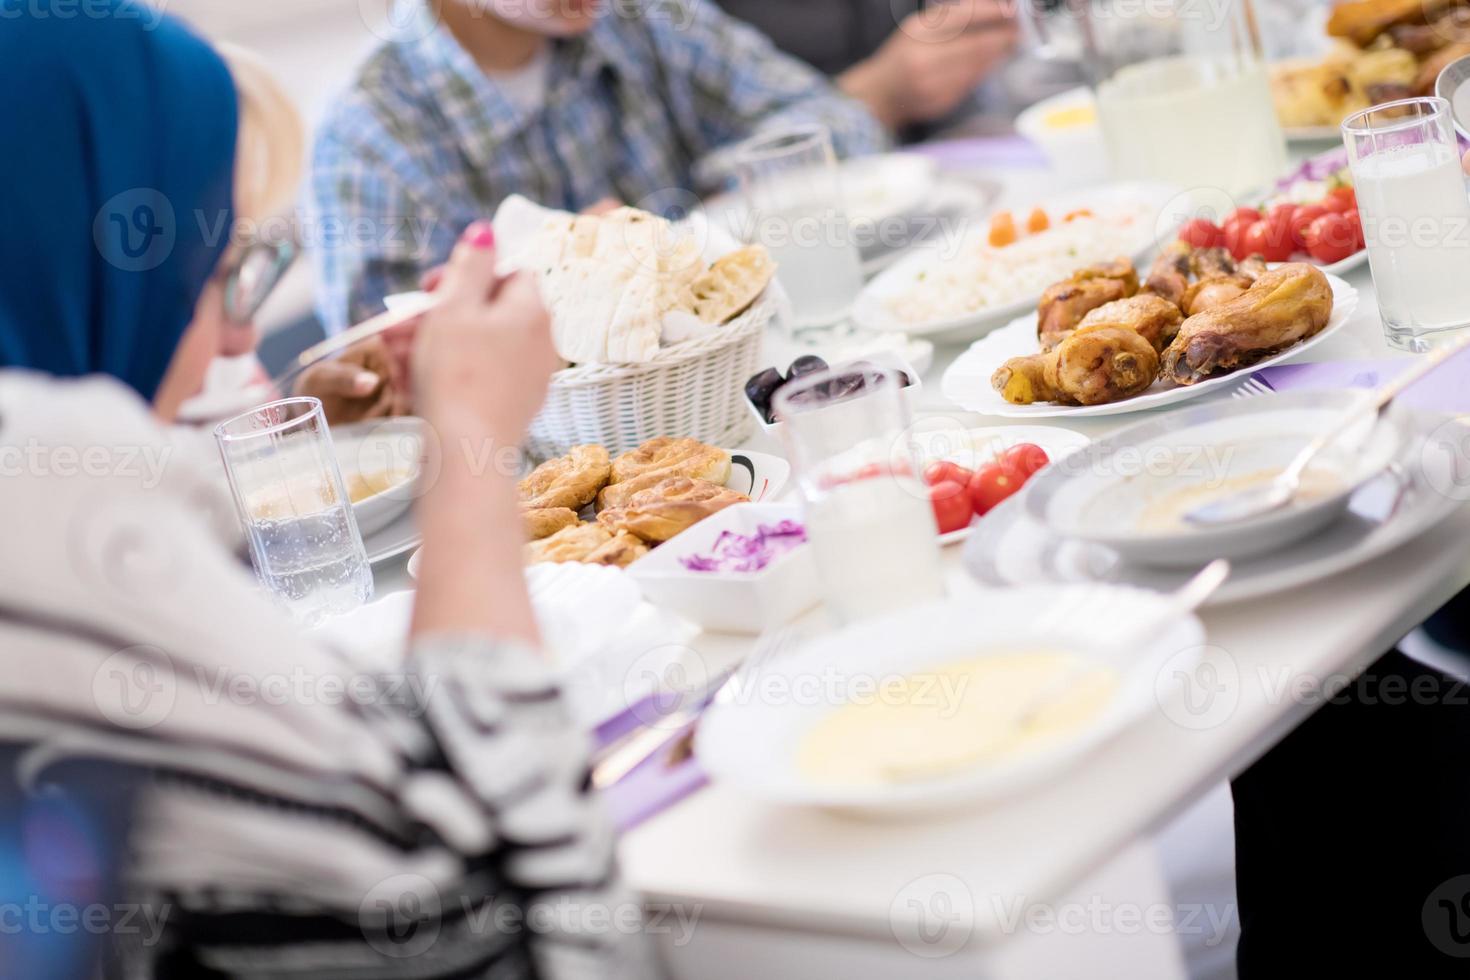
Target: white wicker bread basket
(694,389)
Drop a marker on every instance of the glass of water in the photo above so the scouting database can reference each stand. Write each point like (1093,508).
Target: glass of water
(796,210)
(868,516)
(1416,218)
(289,493)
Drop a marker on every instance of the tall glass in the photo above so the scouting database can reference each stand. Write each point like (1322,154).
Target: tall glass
(1182,92)
(1416,218)
(868,516)
(792,189)
(295,510)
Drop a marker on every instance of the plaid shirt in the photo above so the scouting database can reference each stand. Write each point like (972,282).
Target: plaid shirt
(637,109)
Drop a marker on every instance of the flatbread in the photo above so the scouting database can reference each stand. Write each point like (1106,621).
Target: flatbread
(731,286)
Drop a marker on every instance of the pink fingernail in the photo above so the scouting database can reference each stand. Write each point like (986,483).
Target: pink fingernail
(481,234)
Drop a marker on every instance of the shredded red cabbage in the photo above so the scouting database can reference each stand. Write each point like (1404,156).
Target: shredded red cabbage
(748,553)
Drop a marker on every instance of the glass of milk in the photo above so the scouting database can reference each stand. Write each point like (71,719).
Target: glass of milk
(1416,218)
(795,208)
(868,516)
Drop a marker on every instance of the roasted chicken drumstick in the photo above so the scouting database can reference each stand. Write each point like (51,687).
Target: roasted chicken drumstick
(1283,307)
(1064,304)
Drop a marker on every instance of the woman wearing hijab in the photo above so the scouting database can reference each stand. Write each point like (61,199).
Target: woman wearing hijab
(433,823)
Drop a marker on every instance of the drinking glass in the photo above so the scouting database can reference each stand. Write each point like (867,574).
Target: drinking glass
(295,510)
(868,516)
(1182,92)
(793,193)
(1416,218)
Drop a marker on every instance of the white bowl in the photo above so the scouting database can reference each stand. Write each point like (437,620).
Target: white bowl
(731,602)
(1077,153)
(1105,493)
(394,445)
(888,360)
(753,742)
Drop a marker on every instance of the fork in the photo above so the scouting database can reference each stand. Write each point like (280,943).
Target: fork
(640,745)
(1252,387)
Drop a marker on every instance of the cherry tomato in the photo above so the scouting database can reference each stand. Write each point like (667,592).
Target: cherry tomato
(1002,229)
(1281,219)
(1304,216)
(1341,200)
(1331,238)
(946,471)
(1025,459)
(1202,233)
(1261,239)
(1248,215)
(1037,221)
(1235,230)
(992,485)
(952,510)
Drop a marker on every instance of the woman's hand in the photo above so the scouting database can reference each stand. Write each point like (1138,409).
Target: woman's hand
(484,355)
(482,362)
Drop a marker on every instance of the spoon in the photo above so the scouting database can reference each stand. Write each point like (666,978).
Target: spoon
(1258,501)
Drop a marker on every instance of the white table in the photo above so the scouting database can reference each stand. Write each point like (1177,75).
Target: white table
(784,893)
(1058,882)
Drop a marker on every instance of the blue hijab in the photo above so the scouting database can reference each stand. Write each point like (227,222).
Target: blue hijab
(116,188)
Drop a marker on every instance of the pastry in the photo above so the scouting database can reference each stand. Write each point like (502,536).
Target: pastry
(546,521)
(623,550)
(658,460)
(571,481)
(573,544)
(665,509)
(730,286)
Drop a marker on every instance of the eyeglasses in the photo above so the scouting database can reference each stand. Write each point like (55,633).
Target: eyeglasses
(254,276)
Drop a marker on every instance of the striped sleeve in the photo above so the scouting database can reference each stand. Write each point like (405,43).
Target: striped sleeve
(498,716)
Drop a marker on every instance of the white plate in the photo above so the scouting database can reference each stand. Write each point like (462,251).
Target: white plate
(1343,266)
(752,742)
(875,189)
(760,476)
(611,649)
(1102,495)
(967,382)
(1011,548)
(935,438)
(871,310)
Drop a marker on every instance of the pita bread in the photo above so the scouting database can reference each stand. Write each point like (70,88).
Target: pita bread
(731,285)
(610,281)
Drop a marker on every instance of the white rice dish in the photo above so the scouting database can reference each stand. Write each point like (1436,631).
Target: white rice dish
(980,276)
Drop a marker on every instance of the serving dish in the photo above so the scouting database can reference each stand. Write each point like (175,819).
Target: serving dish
(967,383)
(756,743)
(760,476)
(1139,214)
(1010,548)
(887,360)
(731,601)
(936,439)
(1129,490)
